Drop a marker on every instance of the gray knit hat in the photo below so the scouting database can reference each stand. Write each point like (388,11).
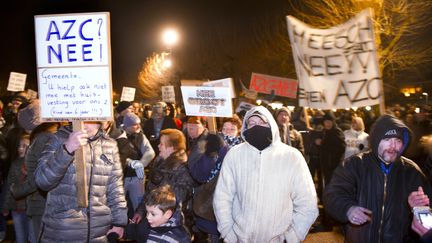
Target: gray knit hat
(131,119)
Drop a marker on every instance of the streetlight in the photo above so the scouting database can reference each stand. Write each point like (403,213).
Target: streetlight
(427,96)
(167,63)
(170,37)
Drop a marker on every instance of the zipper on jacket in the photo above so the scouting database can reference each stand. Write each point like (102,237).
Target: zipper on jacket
(256,219)
(88,192)
(382,208)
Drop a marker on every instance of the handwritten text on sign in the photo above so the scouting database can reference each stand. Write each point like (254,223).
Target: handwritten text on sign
(281,86)
(336,67)
(128,94)
(64,40)
(16,81)
(207,101)
(74,66)
(168,93)
(66,94)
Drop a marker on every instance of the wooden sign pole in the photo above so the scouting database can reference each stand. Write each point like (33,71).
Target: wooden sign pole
(211,124)
(80,168)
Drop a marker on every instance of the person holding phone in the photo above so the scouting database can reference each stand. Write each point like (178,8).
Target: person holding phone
(420,229)
(422,220)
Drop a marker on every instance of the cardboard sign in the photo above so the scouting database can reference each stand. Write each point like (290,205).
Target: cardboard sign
(207,101)
(74,67)
(16,81)
(185,82)
(32,94)
(336,67)
(226,82)
(250,94)
(168,94)
(280,86)
(128,94)
(244,106)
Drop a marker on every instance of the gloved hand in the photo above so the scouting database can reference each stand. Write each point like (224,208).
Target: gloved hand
(137,166)
(214,144)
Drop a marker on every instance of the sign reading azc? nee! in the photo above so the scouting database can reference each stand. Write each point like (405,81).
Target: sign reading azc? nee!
(74,66)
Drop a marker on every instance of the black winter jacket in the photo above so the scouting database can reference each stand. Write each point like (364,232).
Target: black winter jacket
(360,181)
(172,171)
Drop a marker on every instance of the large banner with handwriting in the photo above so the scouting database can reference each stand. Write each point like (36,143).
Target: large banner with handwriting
(336,67)
(74,66)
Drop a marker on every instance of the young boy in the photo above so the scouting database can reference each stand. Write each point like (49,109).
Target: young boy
(164,220)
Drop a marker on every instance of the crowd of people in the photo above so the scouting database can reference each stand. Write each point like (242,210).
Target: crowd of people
(154,174)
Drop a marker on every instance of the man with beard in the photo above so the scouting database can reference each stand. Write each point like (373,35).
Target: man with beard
(265,191)
(368,192)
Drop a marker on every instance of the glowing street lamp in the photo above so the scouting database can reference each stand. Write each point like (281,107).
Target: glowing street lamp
(170,37)
(167,63)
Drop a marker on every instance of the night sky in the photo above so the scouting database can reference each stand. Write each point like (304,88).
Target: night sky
(225,32)
(135,31)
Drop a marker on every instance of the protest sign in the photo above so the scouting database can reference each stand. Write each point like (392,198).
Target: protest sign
(244,106)
(336,67)
(16,82)
(128,94)
(248,93)
(32,94)
(74,66)
(226,82)
(74,75)
(168,94)
(266,84)
(207,101)
(185,82)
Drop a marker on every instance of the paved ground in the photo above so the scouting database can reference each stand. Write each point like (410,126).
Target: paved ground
(321,237)
(325,237)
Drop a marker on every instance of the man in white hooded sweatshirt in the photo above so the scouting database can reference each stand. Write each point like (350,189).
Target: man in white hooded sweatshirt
(265,192)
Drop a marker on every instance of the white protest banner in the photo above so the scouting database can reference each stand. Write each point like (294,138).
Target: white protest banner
(245,106)
(263,83)
(336,67)
(185,82)
(128,94)
(16,81)
(168,94)
(74,66)
(207,101)
(248,93)
(226,82)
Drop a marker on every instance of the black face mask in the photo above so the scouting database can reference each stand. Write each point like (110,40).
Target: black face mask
(258,136)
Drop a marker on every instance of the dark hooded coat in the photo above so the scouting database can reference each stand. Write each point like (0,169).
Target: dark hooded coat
(360,181)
